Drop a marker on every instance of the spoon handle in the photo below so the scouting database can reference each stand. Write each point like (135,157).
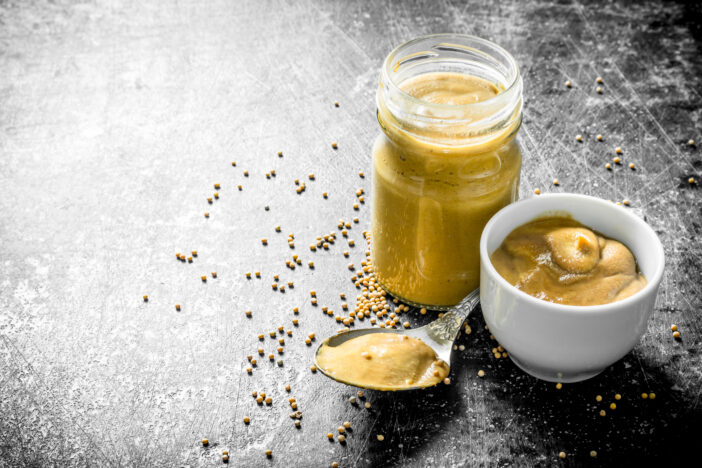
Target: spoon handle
(446,328)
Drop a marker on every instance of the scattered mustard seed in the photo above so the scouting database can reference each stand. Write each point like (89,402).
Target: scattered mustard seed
(676,335)
(691,142)
(481,373)
(603,413)
(691,180)
(233,163)
(207,215)
(617,160)
(205,442)
(556,182)
(651,396)
(673,327)
(246,420)
(559,386)
(146,298)
(562,455)
(626,202)
(568,84)
(335,145)
(269,453)
(612,406)
(341,439)
(617,397)
(608,166)
(598,90)
(599,79)
(380,437)
(177,306)
(579,138)
(599,137)
(313,368)
(537,191)
(593,454)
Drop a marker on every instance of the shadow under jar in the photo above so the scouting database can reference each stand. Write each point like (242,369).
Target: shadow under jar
(447,159)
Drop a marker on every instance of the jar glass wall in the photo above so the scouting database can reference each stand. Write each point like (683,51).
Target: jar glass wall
(447,159)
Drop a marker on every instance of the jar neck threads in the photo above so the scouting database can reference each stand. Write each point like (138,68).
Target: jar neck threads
(497,117)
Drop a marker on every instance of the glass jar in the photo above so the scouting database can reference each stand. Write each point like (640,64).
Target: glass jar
(449,107)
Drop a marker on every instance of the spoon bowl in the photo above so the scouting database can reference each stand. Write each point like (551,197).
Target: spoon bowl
(439,335)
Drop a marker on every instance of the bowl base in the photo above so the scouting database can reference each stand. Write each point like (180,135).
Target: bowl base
(551,376)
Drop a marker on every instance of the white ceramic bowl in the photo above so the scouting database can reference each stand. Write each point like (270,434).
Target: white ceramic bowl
(564,343)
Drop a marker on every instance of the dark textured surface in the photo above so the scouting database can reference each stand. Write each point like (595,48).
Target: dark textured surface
(117,117)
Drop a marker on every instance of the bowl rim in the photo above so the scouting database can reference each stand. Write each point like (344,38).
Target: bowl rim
(504,214)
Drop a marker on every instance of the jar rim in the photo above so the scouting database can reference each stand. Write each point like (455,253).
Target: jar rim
(386,75)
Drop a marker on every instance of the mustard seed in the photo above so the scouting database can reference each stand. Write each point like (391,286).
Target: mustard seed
(246,420)
(676,335)
(269,453)
(146,298)
(233,163)
(330,436)
(177,306)
(598,90)
(537,191)
(341,439)
(612,406)
(481,373)
(207,215)
(205,442)
(559,386)
(617,160)
(691,142)
(617,397)
(313,368)
(691,180)
(651,396)
(599,79)
(556,182)
(568,84)
(593,454)
(598,398)
(608,166)
(334,145)
(562,455)
(603,413)
(579,138)
(599,137)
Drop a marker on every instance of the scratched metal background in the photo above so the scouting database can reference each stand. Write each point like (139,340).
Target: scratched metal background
(116,118)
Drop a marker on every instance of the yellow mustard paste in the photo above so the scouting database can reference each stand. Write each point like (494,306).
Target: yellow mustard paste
(557,259)
(383,361)
(432,199)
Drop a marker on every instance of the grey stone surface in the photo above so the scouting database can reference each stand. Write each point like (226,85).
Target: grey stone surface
(116,119)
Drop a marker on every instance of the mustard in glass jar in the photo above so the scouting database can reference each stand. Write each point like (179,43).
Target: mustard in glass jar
(447,159)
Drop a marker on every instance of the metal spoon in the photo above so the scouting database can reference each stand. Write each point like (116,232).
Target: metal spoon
(439,335)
